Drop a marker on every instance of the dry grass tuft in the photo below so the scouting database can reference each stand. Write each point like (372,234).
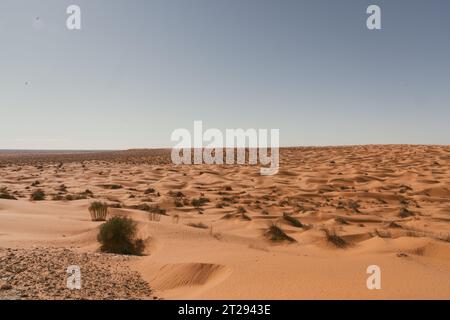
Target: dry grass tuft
(293,221)
(336,240)
(275,233)
(98,211)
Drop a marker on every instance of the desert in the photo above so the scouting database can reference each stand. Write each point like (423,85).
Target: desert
(225,231)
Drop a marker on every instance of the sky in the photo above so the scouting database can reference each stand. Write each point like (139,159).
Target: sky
(139,69)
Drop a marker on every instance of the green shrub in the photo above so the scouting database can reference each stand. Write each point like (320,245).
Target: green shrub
(118,235)
(98,211)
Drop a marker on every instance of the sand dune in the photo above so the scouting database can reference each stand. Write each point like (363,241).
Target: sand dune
(341,209)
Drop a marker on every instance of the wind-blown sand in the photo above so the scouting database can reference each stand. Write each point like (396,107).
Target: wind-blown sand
(387,205)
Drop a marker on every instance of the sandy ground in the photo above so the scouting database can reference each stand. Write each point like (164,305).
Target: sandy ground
(381,205)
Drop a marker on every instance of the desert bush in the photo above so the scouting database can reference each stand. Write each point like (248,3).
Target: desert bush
(57,197)
(199,202)
(275,233)
(111,186)
(178,203)
(341,220)
(118,235)
(354,206)
(4,194)
(405,213)
(152,209)
(98,211)
(394,224)
(141,206)
(78,196)
(333,238)
(293,221)
(176,194)
(241,209)
(157,209)
(38,195)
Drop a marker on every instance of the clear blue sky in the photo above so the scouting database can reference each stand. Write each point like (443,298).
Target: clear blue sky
(140,69)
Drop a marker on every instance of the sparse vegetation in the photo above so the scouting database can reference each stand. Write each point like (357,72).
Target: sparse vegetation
(394,224)
(4,194)
(72,197)
(176,194)
(38,195)
(154,216)
(341,220)
(199,202)
(405,213)
(111,186)
(118,235)
(178,203)
(333,238)
(293,221)
(219,205)
(157,209)
(35,183)
(152,209)
(275,233)
(241,209)
(98,211)
(354,206)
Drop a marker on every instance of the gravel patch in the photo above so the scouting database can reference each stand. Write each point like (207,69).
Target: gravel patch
(41,273)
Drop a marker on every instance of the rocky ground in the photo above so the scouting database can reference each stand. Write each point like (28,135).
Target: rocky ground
(41,273)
